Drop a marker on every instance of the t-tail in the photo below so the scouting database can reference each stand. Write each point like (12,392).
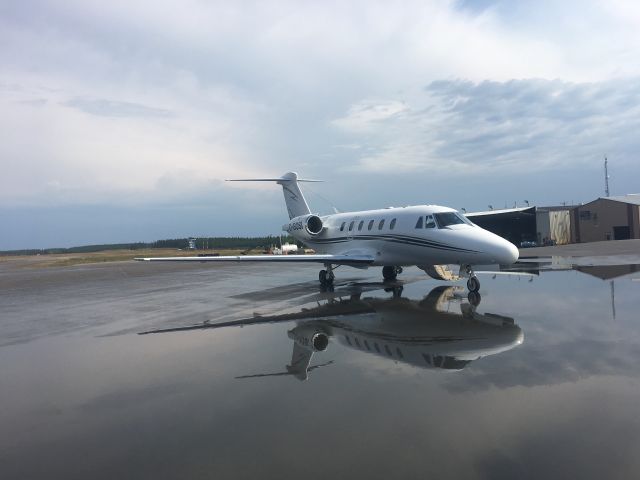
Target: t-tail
(293,197)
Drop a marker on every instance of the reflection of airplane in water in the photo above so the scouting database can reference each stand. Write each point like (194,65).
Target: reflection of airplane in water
(422,333)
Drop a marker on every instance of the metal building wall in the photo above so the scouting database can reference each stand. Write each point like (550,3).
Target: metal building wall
(605,219)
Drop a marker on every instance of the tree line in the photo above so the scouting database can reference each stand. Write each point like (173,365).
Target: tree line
(201,243)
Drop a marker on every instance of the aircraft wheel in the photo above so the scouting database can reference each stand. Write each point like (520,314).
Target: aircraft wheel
(389,273)
(473,284)
(474,298)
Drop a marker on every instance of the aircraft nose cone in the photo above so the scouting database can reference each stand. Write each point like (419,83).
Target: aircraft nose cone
(501,251)
(508,253)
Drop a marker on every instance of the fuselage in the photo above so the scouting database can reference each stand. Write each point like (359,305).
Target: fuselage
(418,333)
(416,235)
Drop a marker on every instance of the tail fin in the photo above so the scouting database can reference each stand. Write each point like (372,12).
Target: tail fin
(296,203)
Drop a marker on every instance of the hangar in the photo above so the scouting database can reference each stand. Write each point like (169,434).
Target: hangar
(515,224)
(607,218)
(553,225)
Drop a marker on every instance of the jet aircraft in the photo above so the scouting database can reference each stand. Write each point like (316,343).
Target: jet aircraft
(427,236)
(424,333)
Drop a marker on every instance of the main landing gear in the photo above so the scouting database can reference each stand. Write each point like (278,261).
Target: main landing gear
(326,277)
(390,272)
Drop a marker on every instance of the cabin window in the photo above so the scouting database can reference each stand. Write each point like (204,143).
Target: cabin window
(346,337)
(399,352)
(370,224)
(392,224)
(342,226)
(429,222)
(355,339)
(419,223)
(386,349)
(351,225)
(360,225)
(375,345)
(381,224)
(426,358)
(366,345)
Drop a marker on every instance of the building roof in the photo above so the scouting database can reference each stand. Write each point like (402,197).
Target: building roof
(501,211)
(553,208)
(633,198)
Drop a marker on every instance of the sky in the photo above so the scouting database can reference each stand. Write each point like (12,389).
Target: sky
(120,120)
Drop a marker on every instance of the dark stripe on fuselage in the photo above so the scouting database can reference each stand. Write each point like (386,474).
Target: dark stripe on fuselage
(402,239)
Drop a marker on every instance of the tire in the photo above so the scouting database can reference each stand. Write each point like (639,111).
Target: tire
(474,298)
(473,284)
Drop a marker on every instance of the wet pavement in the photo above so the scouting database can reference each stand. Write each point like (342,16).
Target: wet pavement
(274,378)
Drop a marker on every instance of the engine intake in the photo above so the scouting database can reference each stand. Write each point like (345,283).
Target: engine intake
(313,224)
(305,226)
(310,338)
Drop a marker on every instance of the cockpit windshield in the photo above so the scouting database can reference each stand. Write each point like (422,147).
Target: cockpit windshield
(447,219)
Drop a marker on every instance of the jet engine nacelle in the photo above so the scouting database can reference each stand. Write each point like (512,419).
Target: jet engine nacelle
(307,225)
(309,337)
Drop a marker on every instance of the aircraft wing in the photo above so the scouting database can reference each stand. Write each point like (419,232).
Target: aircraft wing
(344,259)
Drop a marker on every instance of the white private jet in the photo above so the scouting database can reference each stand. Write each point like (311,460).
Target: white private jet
(427,236)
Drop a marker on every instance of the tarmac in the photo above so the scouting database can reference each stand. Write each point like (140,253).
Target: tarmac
(605,248)
(276,377)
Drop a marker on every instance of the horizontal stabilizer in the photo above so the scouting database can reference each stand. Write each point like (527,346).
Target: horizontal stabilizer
(281,179)
(293,197)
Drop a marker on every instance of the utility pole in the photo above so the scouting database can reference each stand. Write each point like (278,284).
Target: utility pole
(606,178)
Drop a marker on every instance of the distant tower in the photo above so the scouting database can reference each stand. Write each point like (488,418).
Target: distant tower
(606,178)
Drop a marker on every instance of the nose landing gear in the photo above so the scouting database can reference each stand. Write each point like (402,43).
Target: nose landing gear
(473,284)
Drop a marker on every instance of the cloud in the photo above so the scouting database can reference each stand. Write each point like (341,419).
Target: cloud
(110,108)
(367,114)
(100,102)
(518,125)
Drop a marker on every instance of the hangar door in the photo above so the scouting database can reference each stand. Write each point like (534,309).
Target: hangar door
(560,226)
(621,233)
